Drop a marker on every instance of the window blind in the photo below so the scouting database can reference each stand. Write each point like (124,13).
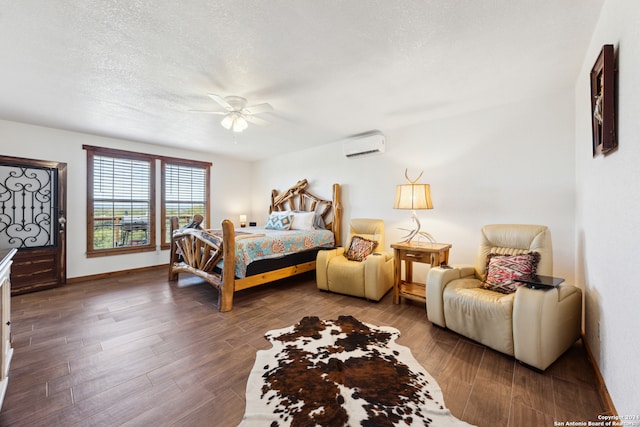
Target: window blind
(121,201)
(185,193)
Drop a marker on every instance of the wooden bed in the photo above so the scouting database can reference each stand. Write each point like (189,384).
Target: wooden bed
(193,253)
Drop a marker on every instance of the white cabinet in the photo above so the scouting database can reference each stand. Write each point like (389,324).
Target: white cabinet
(6,256)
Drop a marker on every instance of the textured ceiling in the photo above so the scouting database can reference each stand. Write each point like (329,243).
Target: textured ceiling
(330,68)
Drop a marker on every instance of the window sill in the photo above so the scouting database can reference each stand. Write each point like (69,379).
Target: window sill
(120,251)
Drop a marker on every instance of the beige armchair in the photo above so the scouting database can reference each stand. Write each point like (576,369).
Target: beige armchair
(534,325)
(371,278)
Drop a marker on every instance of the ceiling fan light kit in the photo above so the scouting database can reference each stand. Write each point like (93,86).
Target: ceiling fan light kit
(238,115)
(235,122)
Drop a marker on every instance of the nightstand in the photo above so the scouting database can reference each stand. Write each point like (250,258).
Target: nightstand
(429,253)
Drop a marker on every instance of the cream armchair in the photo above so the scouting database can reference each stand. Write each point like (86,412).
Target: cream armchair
(371,278)
(534,325)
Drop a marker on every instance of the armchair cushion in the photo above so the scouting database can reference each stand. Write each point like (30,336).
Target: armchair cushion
(346,276)
(360,248)
(502,270)
(480,314)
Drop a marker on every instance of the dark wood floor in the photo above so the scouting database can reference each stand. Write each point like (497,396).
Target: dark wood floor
(138,350)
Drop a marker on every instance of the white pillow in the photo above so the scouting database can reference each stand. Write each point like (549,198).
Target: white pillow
(302,220)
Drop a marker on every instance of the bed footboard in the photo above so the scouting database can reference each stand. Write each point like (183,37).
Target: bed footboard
(197,252)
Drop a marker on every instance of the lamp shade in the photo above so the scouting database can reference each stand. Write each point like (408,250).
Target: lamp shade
(413,196)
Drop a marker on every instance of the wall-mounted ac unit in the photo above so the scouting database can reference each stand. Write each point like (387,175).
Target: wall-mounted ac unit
(363,144)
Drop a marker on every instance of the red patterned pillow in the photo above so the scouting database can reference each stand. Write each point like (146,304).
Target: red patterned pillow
(503,269)
(360,248)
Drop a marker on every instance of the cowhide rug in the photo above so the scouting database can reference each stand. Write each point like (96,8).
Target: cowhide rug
(341,373)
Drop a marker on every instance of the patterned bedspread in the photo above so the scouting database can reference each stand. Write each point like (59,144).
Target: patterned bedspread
(268,244)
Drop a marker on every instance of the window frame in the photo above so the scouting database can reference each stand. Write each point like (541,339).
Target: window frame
(121,154)
(153,193)
(164,161)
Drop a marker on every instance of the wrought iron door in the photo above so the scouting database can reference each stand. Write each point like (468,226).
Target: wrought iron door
(32,219)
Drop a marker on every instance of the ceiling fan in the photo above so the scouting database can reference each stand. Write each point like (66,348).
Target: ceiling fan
(237,114)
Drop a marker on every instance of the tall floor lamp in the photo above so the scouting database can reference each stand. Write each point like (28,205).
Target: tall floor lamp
(414,196)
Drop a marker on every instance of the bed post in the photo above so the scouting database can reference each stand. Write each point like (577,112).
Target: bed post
(227,286)
(173,251)
(337,215)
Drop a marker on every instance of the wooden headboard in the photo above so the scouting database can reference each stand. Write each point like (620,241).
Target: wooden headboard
(298,198)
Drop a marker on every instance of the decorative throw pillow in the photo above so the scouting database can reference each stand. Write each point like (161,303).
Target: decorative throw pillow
(503,269)
(360,248)
(278,221)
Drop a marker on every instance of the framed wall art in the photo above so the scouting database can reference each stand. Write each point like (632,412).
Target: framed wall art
(603,103)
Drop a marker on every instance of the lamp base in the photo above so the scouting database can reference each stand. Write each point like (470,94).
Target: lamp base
(409,237)
(416,231)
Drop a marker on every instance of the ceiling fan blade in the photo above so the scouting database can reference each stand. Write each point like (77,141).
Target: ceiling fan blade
(220,100)
(255,120)
(222,113)
(258,108)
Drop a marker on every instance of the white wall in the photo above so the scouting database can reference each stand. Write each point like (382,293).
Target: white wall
(512,164)
(230,182)
(607,220)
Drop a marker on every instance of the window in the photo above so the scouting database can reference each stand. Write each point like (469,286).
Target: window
(185,192)
(120,202)
(121,195)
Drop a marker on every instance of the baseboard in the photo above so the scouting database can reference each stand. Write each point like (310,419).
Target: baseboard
(602,387)
(116,273)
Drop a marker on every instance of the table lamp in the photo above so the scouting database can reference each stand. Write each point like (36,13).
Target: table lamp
(414,196)
(243,220)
